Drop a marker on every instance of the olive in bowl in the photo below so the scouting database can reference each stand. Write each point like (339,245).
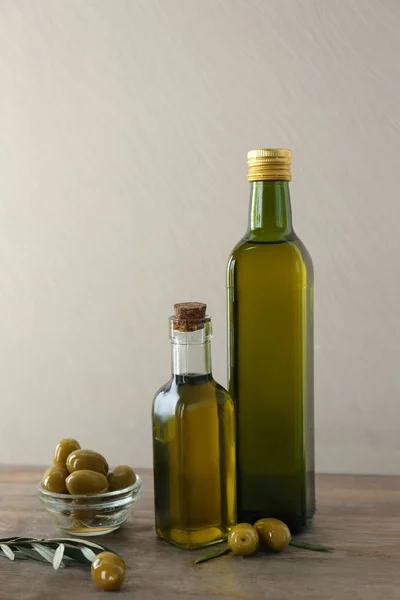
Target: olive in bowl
(64,449)
(79,496)
(121,477)
(86,460)
(54,479)
(90,514)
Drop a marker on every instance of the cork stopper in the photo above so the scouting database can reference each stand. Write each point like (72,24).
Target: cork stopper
(189,316)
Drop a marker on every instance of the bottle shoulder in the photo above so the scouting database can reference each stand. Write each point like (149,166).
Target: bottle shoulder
(237,249)
(289,254)
(178,392)
(247,249)
(222,393)
(161,394)
(162,390)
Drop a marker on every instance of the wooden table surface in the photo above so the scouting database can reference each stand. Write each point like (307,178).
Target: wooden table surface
(358,515)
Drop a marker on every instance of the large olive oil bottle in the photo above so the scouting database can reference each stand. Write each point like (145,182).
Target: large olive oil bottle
(270,308)
(193,440)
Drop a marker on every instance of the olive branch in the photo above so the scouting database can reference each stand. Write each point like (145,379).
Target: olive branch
(56,551)
(297,543)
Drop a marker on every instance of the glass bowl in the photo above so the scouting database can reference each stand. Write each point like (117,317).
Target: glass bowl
(97,514)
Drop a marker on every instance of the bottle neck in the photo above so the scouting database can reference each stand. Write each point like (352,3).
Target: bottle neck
(270,217)
(191,353)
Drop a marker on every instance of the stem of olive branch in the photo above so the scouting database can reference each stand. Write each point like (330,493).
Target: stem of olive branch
(310,546)
(211,555)
(295,543)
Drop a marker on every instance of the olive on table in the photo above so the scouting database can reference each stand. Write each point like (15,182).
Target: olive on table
(274,534)
(243,539)
(121,477)
(86,460)
(54,479)
(86,482)
(108,571)
(64,449)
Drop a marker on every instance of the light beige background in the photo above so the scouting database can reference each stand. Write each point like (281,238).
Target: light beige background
(124,127)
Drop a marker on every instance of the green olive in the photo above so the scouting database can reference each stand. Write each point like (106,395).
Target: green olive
(81,515)
(87,460)
(243,539)
(121,477)
(108,571)
(86,482)
(54,479)
(63,449)
(274,534)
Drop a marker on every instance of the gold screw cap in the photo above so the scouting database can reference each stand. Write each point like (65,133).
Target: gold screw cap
(269,164)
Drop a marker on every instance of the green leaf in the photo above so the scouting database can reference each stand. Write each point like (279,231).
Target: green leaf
(32,554)
(76,555)
(20,556)
(212,555)
(76,542)
(58,556)
(309,546)
(79,543)
(16,540)
(7,551)
(88,553)
(47,553)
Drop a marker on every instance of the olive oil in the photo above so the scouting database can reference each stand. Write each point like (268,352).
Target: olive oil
(193,444)
(270,363)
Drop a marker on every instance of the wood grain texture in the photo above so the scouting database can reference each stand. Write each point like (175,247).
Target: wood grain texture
(358,515)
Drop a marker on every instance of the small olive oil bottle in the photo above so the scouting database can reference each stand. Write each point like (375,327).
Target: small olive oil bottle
(270,324)
(193,440)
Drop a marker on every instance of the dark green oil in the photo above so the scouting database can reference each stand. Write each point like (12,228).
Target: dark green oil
(270,305)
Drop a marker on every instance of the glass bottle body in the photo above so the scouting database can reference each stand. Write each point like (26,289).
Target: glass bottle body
(193,448)
(270,324)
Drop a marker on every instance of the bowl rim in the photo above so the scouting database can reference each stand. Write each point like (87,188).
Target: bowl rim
(135,487)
